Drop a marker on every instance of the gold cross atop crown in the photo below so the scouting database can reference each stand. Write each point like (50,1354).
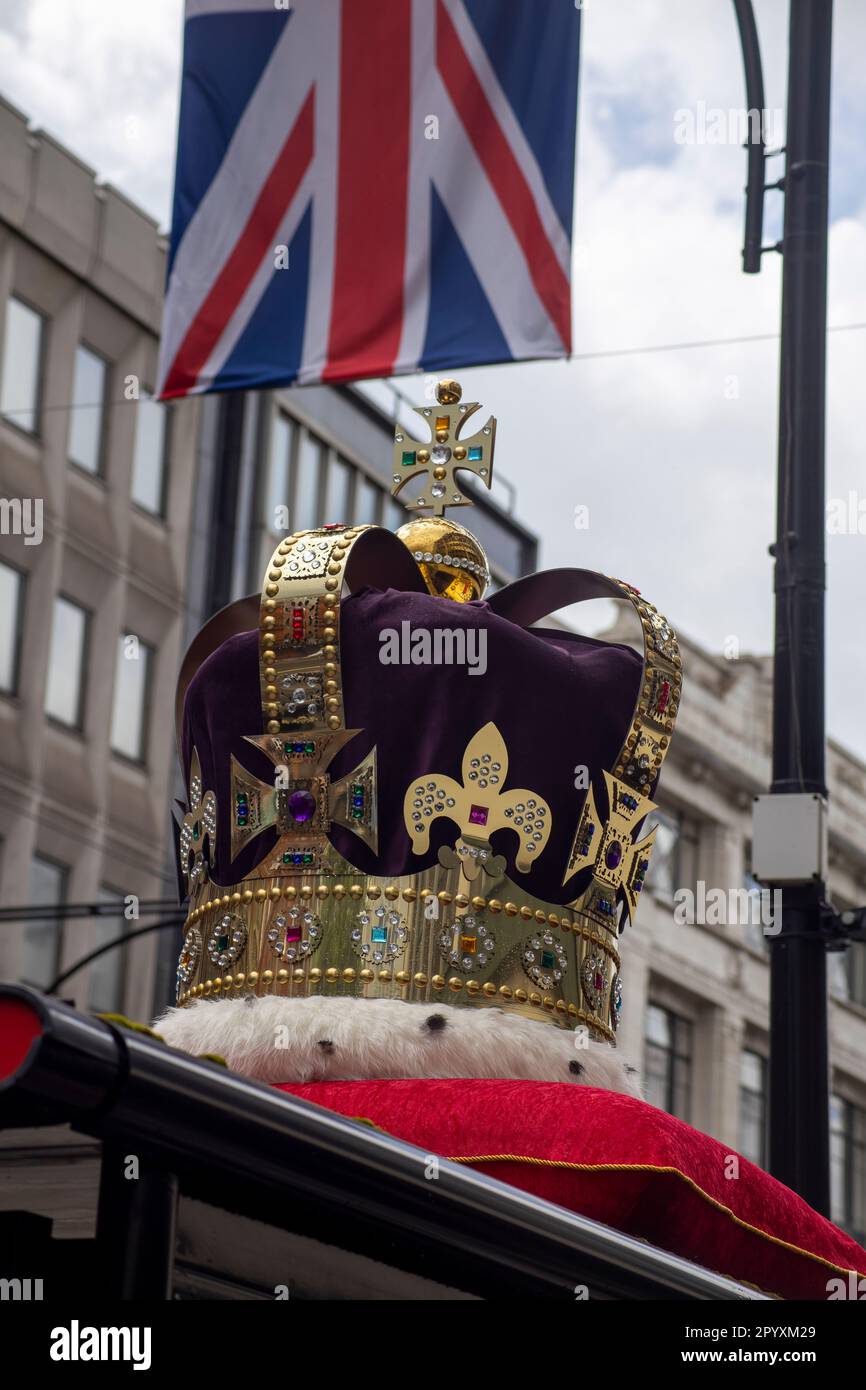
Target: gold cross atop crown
(445,453)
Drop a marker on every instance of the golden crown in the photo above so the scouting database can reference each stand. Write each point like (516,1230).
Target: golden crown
(305,919)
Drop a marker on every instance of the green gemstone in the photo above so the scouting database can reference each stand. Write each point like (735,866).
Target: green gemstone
(357,812)
(548,960)
(309,747)
(222,942)
(408,458)
(195,832)
(357,789)
(287,859)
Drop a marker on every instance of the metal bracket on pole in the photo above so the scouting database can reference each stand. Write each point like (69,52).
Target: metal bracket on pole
(753,248)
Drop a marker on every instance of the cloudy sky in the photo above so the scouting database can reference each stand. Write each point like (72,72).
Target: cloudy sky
(672,452)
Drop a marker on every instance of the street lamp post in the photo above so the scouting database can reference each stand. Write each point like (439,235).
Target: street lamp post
(799,1070)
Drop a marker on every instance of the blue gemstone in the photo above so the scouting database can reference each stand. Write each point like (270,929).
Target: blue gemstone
(475,454)
(379,934)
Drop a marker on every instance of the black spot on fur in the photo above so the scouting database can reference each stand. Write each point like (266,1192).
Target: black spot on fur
(436,1022)
(629,1069)
(326,1045)
(576,1067)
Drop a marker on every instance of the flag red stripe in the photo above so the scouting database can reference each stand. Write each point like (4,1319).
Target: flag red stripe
(504,172)
(253,244)
(372,189)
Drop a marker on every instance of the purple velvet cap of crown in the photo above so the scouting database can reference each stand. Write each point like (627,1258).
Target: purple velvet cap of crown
(560,701)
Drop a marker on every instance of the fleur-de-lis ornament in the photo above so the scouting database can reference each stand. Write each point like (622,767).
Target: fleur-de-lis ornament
(198,825)
(479,806)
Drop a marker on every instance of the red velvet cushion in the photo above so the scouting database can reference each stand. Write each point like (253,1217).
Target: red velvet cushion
(619,1161)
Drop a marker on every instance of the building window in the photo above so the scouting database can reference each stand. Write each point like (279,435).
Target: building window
(305,514)
(368,499)
(848,1166)
(395,514)
(129,709)
(753,1107)
(11,612)
(668,1061)
(856,959)
(107,975)
(149,460)
(67,657)
(87,415)
(40,957)
(754,932)
(22,365)
(664,870)
(278,499)
(338,491)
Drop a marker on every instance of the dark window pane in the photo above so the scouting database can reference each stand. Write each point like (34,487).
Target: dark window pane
(148,467)
(337,491)
(307,484)
(88,406)
(41,941)
(664,860)
(22,354)
(656,1076)
(395,514)
(658,1026)
(128,718)
(667,1060)
(64,690)
(11,589)
(367,497)
(277,501)
(753,1107)
(107,972)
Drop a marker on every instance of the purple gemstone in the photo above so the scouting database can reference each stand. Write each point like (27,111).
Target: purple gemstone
(302,805)
(478,815)
(613,855)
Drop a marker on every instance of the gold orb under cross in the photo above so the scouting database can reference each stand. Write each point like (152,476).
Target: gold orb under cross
(451,560)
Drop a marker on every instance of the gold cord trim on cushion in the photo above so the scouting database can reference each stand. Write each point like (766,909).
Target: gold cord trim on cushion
(653,1168)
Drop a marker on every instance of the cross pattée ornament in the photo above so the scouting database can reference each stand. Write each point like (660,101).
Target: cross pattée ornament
(445,453)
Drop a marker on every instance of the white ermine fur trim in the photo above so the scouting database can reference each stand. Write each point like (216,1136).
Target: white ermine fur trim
(317,1039)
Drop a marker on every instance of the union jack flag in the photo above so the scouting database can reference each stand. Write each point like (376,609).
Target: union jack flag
(369,187)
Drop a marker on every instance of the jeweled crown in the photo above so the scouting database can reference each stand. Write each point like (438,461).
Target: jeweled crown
(408,828)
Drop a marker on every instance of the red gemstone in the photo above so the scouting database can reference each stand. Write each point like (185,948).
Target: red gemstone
(664,697)
(599,982)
